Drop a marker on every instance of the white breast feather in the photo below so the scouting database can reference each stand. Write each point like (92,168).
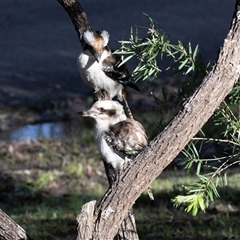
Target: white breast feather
(93,76)
(107,152)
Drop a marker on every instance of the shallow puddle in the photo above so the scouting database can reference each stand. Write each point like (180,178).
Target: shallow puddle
(42,130)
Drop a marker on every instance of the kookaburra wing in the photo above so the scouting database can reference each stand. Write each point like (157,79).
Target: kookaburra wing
(117,137)
(98,67)
(127,138)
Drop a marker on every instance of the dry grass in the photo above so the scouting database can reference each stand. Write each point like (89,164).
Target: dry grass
(45,182)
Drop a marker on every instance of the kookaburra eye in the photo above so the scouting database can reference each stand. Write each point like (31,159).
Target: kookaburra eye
(101,109)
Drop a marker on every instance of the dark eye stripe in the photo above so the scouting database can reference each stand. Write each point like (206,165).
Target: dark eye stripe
(111,112)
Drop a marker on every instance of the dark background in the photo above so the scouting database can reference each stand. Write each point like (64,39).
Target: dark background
(39,46)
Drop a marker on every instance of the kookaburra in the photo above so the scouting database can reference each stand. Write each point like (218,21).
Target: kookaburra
(98,68)
(118,138)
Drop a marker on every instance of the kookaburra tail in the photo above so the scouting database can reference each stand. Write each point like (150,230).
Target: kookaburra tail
(99,69)
(118,138)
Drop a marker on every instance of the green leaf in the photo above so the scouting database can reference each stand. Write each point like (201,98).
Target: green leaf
(125,42)
(225,179)
(195,52)
(199,166)
(201,203)
(125,60)
(183,64)
(189,70)
(189,48)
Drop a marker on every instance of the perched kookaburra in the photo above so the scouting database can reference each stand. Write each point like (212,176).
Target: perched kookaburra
(98,68)
(118,138)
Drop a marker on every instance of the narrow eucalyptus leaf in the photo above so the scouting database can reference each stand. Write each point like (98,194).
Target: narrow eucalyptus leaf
(195,52)
(125,60)
(199,166)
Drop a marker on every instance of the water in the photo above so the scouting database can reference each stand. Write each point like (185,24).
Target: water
(44,130)
(41,130)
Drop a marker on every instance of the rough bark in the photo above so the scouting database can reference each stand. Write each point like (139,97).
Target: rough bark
(84,221)
(127,229)
(77,15)
(166,146)
(120,197)
(9,230)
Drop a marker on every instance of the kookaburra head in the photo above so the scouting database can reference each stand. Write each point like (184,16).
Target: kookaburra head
(105,113)
(98,42)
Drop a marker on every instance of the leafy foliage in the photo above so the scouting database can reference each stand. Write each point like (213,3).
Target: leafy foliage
(155,45)
(150,50)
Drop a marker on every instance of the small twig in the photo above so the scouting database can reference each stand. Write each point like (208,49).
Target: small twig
(216,140)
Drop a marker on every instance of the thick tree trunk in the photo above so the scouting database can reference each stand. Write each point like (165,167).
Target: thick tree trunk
(166,146)
(9,230)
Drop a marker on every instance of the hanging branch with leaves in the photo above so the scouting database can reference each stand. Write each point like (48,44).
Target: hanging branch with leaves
(187,61)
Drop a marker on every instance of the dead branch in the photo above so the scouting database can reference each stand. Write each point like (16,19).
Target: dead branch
(9,230)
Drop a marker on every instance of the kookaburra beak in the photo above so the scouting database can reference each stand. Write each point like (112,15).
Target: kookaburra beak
(88,113)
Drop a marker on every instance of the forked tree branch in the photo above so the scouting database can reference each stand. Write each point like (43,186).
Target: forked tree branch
(167,145)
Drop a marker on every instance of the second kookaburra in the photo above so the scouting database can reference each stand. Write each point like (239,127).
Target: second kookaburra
(118,138)
(98,68)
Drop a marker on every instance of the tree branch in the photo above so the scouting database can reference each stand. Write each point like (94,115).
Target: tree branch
(127,230)
(9,230)
(167,145)
(120,197)
(77,15)
(84,221)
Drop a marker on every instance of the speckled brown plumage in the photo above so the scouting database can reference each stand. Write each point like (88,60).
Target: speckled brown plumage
(127,138)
